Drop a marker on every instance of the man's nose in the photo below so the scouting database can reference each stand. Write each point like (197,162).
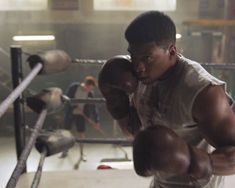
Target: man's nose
(140,67)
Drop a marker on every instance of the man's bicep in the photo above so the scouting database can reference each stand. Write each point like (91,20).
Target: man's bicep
(223,134)
(215,116)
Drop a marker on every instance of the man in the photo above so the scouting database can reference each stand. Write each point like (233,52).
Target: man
(117,76)
(81,113)
(183,110)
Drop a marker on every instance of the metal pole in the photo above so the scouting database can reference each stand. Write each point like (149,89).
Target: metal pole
(104,141)
(25,153)
(18,108)
(87,101)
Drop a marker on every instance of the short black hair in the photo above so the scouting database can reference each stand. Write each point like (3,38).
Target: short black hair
(112,70)
(151,26)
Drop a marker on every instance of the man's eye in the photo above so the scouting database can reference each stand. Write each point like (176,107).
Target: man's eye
(146,59)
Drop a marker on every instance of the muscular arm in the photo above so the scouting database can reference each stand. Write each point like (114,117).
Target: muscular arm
(216,121)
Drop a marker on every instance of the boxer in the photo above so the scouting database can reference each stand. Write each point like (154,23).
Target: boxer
(117,81)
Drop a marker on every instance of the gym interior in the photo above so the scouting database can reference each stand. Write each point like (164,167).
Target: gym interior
(90,32)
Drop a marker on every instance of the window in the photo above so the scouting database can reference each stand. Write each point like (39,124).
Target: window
(162,5)
(6,5)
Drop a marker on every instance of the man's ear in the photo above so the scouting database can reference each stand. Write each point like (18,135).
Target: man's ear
(172,50)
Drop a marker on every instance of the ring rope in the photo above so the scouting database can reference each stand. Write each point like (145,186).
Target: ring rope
(119,141)
(19,89)
(38,174)
(25,153)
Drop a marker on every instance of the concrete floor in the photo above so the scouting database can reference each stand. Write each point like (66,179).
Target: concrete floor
(94,154)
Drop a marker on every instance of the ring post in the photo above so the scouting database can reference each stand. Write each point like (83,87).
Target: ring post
(18,106)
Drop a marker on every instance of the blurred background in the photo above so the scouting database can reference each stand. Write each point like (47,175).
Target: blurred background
(94,29)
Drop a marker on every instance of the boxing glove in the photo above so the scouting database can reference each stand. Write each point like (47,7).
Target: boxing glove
(158,148)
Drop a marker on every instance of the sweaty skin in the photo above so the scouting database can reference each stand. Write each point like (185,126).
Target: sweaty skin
(211,109)
(216,121)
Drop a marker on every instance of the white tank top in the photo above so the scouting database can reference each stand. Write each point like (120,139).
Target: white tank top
(169,103)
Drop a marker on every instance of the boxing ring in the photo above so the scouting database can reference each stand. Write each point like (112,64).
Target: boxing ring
(43,104)
(49,143)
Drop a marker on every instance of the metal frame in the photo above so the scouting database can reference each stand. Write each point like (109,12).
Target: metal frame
(18,105)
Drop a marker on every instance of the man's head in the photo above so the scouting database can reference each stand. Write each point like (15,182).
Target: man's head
(151,37)
(118,72)
(90,83)
(152,26)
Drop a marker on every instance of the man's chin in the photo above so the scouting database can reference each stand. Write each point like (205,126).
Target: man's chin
(146,81)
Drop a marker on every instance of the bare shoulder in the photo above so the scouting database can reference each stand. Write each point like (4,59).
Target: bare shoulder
(209,101)
(214,115)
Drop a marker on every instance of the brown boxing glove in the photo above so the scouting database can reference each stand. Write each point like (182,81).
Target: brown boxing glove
(158,148)
(200,163)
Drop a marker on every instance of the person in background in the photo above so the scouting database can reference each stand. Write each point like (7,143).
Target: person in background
(81,113)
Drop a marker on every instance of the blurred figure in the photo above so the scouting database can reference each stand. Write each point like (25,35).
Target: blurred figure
(78,114)
(117,82)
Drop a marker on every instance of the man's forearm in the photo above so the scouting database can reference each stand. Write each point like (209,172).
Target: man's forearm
(223,161)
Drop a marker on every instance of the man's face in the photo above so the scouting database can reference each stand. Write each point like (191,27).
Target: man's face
(150,61)
(90,88)
(126,82)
